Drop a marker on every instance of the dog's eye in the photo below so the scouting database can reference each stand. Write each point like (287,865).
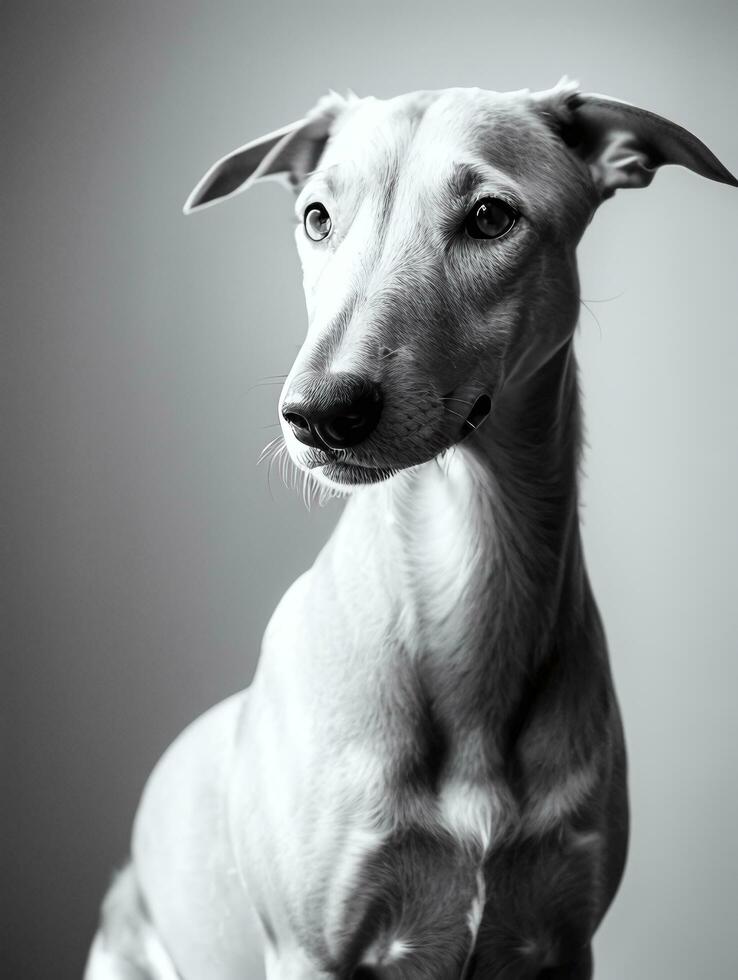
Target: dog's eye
(490,218)
(317,222)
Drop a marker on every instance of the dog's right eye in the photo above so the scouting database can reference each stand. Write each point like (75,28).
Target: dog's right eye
(317,222)
(491,218)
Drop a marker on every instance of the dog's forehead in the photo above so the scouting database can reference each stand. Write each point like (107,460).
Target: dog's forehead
(472,120)
(373,135)
(426,135)
(460,118)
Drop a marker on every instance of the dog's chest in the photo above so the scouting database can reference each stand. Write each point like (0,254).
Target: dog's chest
(320,859)
(361,744)
(371,806)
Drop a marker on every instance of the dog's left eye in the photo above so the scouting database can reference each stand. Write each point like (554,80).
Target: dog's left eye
(317,222)
(490,218)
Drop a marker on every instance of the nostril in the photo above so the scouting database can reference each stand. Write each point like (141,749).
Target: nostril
(341,429)
(336,414)
(351,423)
(301,426)
(296,421)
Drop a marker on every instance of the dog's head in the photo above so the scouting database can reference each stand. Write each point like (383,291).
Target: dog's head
(437,233)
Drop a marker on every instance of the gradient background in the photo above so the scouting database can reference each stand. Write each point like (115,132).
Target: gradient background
(145,551)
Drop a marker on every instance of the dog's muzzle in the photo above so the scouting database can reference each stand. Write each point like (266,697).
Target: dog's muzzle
(332,411)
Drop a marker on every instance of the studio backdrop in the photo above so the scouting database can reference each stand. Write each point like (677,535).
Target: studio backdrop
(144,549)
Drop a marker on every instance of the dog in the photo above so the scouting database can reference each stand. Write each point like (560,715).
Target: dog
(427,777)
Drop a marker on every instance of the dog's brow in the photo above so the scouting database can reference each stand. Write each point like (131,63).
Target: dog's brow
(326,173)
(466,178)
(333,178)
(332,175)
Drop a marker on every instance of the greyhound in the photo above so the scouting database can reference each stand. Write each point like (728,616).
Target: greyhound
(427,777)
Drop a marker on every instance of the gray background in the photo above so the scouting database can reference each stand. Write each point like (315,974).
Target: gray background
(145,551)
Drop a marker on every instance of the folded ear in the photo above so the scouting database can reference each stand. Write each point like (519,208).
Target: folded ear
(287,154)
(623,145)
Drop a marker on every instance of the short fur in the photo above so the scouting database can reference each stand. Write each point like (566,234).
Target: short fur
(427,778)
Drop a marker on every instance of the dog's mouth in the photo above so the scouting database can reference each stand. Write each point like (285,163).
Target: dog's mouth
(354,474)
(337,467)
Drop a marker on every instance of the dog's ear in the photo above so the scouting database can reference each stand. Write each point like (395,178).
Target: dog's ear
(287,154)
(622,145)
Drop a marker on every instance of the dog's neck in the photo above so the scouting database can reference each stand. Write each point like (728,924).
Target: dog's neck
(482,547)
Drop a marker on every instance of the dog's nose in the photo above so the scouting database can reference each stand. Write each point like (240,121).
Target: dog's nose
(333,411)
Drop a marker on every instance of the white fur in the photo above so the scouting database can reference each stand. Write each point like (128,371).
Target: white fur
(106,964)
(470,812)
(390,670)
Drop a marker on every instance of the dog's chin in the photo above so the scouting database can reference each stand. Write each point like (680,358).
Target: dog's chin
(344,476)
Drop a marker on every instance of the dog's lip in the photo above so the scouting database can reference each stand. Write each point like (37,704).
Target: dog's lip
(315,458)
(343,469)
(349,473)
(318,458)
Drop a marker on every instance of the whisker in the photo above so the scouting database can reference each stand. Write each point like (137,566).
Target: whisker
(269,473)
(270,448)
(451,398)
(463,419)
(607,299)
(287,469)
(305,491)
(264,384)
(593,315)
